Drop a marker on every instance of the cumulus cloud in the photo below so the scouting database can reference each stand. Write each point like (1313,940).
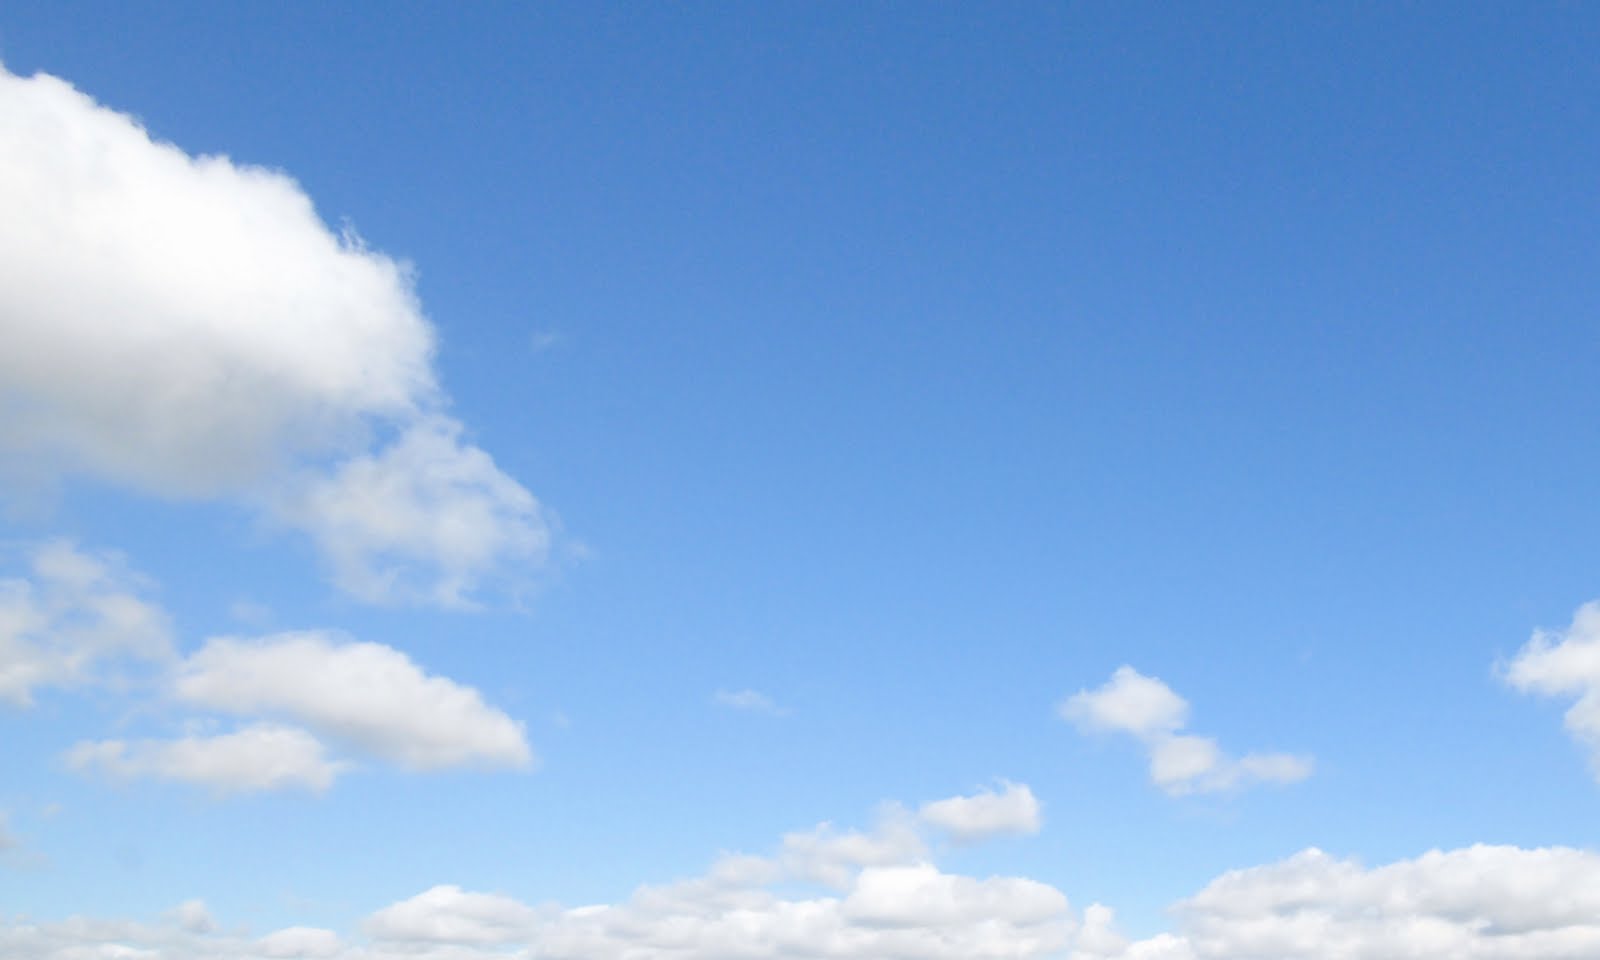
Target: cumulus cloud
(1566,664)
(1486,902)
(1482,902)
(448,914)
(832,857)
(1013,810)
(262,756)
(752,700)
(189,327)
(76,610)
(368,695)
(1180,763)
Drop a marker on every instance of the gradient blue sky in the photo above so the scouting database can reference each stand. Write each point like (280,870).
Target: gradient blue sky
(915,366)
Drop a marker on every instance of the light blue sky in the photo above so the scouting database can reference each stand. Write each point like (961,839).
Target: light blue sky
(912,366)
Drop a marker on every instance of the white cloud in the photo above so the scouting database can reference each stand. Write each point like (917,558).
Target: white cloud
(368,695)
(429,517)
(1484,902)
(300,942)
(1566,664)
(830,856)
(194,916)
(1479,902)
(448,914)
(75,611)
(8,840)
(262,756)
(1014,810)
(190,327)
(1180,763)
(751,700)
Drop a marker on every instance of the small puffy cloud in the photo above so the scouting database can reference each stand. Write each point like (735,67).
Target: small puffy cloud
(368,695)
(75,610)
(1566,664)
(190,327)
(753,701)
(448,914)
(1013,810)
(1180,763)
(428,517)
(1129,702)
(262,756)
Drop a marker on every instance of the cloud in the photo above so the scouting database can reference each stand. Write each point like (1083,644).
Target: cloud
(262,756)
(832,857)
(1180,763)
(1485,902)
(194,916)
(81,609)
(189,327)
(76,610)
(1012,811)
(1566,664)
(8,840)
(750,700)
(1482,902)
(448,914)
(367,695)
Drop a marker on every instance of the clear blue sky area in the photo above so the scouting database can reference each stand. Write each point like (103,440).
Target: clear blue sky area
(887,374)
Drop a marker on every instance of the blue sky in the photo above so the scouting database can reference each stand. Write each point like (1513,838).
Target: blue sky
(547,452)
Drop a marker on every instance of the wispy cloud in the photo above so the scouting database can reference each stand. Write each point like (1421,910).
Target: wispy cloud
(752,701)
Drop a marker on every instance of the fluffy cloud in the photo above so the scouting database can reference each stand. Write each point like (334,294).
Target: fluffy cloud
(1484,902)
(188,326)
(262,756)
(833,857)
(1014,810)
(1566,664)
(448,914)
(1481,902)
(76,610)
(368,695)
(1180,763)
(79,610)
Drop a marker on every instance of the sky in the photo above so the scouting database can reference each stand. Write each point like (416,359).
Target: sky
(849,481)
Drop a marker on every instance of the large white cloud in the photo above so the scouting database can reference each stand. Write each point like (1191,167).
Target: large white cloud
(75,611)
(1566,664)
(1180,763)
(368,695)
(189,326)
